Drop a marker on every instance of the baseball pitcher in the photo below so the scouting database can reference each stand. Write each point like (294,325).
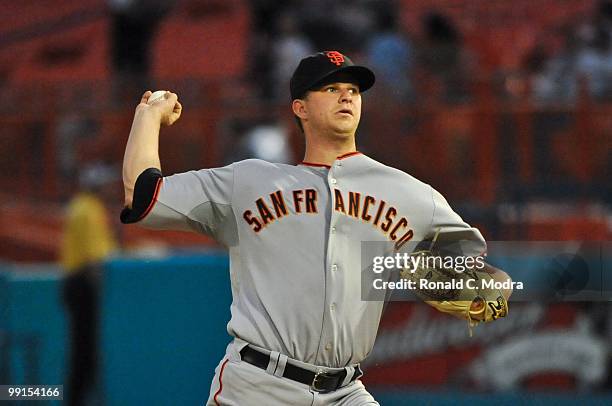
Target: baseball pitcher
(294,232)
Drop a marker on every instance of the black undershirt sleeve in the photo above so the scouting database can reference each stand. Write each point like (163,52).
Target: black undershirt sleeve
(145,195)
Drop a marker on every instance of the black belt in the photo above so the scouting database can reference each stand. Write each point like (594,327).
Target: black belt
(318,381)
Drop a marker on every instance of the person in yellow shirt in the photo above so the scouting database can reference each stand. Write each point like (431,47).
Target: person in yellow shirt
(88,240)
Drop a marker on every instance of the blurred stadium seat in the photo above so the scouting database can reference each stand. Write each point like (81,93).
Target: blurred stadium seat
(77,54)
(65,42)
(203,40)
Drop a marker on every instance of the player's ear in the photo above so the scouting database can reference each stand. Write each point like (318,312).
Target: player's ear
(299,108)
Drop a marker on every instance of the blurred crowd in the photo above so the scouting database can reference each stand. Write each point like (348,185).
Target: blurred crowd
(283,32)
(579,53)
(432,57)
(368,30)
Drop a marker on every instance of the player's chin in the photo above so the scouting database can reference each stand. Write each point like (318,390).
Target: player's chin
(346,125)
(343,136)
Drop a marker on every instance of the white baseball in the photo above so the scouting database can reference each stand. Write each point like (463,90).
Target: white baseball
(157,95)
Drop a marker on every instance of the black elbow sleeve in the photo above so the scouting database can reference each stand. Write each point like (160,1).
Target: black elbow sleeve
(145,194)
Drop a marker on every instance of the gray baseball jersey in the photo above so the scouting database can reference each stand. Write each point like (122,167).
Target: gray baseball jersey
(294,235)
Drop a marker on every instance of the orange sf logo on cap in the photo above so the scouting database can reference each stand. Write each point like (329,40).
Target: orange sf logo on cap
(335,57)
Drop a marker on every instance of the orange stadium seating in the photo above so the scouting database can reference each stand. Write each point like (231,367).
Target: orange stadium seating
(78,54)
(64,42)
(206,41)
(27,14)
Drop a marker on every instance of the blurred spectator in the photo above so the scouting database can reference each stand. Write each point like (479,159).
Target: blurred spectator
(554,78)
(269,141)
(266,13)
(358,20)
(261,72)
(289,48)
(338,25)
(265,28)
(264,139)
(72,127)
(390,54)
(586,58)
(443,57)
(594,62)
(88,240)
(134,23)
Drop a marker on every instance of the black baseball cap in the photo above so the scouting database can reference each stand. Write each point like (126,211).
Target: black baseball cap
(314,69)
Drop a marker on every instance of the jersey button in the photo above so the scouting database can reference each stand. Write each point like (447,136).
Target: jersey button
(328,346)
(334,267)
(333,181)
(333,229)
(332,307)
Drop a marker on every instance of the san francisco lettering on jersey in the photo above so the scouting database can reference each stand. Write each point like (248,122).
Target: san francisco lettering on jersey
(367,209)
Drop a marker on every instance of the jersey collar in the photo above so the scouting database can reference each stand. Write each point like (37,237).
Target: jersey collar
(343,156)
